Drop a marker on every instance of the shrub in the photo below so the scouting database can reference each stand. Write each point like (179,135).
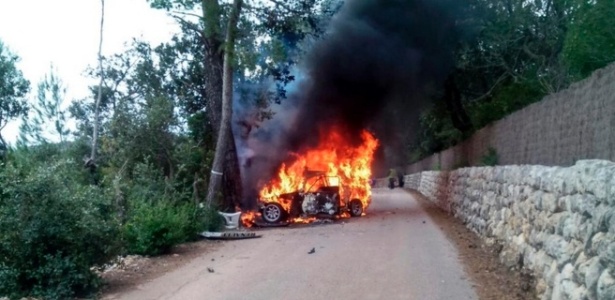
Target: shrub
(53,230)
(490,158)
(160,215)
(155,227)
(212,221)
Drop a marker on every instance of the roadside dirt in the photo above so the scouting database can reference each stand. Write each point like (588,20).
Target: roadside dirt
(136,270)
(481,261)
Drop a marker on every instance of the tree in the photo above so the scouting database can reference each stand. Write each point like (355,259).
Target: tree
(511,56)
(91,162)
(271,20)
(227,104)
(590,42)
(13,88)
(49,119)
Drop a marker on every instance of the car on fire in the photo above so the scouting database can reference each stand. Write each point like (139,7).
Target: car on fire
(320,198)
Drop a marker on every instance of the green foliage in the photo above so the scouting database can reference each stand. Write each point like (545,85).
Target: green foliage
(516,53)
(506,100)
(157,225)
(490,158)
(48,120)
(53,230)
(58,220)
(159,215)
(212,221)
(13,88)
(590,42)
(437,133)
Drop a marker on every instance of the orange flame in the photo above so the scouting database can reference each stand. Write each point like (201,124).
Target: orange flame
(336,157)
(303,220)
(247,218)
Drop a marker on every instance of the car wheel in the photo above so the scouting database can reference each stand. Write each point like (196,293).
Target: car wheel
(273,213)
(356,208)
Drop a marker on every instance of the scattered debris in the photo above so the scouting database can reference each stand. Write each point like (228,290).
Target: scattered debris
(265,224)
(210,270)
(213,259)
(312,251)
(230,235)
(423,222)
(122,263)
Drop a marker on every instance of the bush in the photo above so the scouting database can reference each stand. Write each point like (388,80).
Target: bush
(160,216)
(53,230)
(154,228)
(490,158)
(212,221)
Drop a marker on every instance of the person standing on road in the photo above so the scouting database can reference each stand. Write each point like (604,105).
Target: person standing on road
(392,178)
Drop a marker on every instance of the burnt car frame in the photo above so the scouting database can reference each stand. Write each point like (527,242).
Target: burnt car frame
(320,198)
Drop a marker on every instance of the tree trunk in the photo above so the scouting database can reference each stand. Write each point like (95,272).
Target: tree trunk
(91,163)
(225,133)
(214,62)
(231,181)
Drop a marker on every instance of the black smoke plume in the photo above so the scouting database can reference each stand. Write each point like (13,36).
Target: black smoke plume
(372,70)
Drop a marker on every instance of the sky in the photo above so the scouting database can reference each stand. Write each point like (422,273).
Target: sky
(65,33)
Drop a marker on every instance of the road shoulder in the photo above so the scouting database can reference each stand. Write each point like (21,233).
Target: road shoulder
(492,279)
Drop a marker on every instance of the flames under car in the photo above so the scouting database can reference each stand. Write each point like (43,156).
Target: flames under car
(320,198)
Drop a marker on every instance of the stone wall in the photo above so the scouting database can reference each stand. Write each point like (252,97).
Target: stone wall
(574,124)
(557,222)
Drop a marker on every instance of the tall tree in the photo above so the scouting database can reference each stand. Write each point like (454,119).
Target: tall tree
(227,103)
(91,162)
(13,88)
(48,121)
(259,19)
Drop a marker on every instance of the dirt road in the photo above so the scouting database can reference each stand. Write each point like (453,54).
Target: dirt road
(395,252)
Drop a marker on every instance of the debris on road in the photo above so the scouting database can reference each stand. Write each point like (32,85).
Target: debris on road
(312,251)
(210,270)
(258,223)
(230,235)
(123,263)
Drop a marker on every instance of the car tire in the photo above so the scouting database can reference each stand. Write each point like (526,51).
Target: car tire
(273,213)
(356,208)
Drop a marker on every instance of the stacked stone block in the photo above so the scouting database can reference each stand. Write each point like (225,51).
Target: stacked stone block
(557,222)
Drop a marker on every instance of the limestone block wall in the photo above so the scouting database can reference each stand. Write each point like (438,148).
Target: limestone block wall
(558,222)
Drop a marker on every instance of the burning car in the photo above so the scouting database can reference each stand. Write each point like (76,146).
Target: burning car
(321,196)
(341,188)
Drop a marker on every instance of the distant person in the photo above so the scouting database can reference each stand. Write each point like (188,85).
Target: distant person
(401,180)
(392,178)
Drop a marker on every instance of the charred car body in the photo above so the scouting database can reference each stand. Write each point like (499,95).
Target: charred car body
(320,198)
